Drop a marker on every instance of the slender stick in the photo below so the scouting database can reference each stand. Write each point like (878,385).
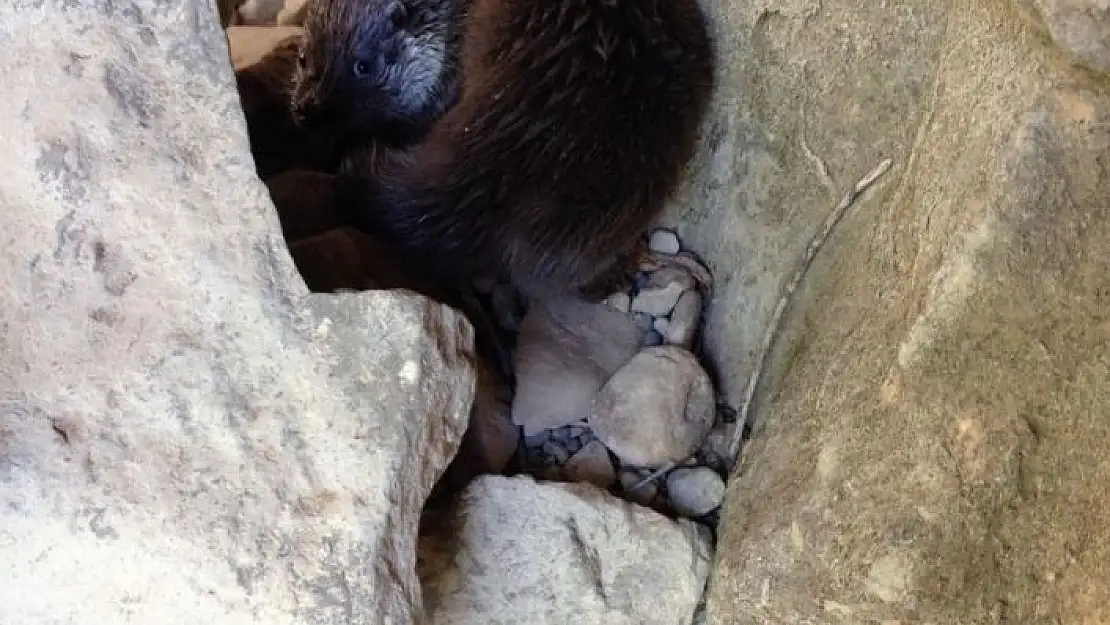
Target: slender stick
(815,245)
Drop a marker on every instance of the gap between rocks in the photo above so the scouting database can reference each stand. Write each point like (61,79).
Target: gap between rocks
(613,395)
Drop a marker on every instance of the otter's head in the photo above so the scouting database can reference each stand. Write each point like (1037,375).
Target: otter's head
(380,68)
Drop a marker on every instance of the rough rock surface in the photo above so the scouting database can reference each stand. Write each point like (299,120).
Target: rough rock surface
(521,552)
(932,431)
(1080,27)
(185,434)
(656,409)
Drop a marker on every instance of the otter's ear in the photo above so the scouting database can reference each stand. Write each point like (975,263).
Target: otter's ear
(398,14)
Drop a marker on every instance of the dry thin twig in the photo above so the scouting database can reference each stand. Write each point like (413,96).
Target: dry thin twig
(815,245)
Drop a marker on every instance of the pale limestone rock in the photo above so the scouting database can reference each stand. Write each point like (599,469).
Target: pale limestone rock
(567,349)
(661,293)
(521,552)
(655,409)
(186,435)
(592,465)
(664,241)
(930,434)
(694,491)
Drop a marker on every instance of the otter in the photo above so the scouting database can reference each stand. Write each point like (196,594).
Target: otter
(531,140)
(377,72)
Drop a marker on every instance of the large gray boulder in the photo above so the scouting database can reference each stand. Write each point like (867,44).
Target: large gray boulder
(519,552)
(186,436)
(931,433)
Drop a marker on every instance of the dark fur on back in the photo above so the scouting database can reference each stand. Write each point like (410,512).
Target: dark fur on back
(574,122)
(374,68)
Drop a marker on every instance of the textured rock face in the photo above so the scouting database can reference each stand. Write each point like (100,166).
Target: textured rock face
(185,435)
(932,429)
(1080,27)
(584,557)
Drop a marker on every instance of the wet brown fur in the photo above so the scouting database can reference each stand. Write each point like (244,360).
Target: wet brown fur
(573,123)
(277,143)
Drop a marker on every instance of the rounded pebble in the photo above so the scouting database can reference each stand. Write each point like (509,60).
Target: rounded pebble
(664,241)
(695,491)
(655,409)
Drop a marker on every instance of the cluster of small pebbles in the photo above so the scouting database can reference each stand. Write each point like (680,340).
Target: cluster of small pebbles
(612,394)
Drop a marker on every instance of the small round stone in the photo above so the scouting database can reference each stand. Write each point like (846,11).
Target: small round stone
(655,409)
(696,491)
(664,241)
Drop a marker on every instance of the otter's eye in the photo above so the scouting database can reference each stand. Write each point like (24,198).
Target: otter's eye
(302,60)
(361,68)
